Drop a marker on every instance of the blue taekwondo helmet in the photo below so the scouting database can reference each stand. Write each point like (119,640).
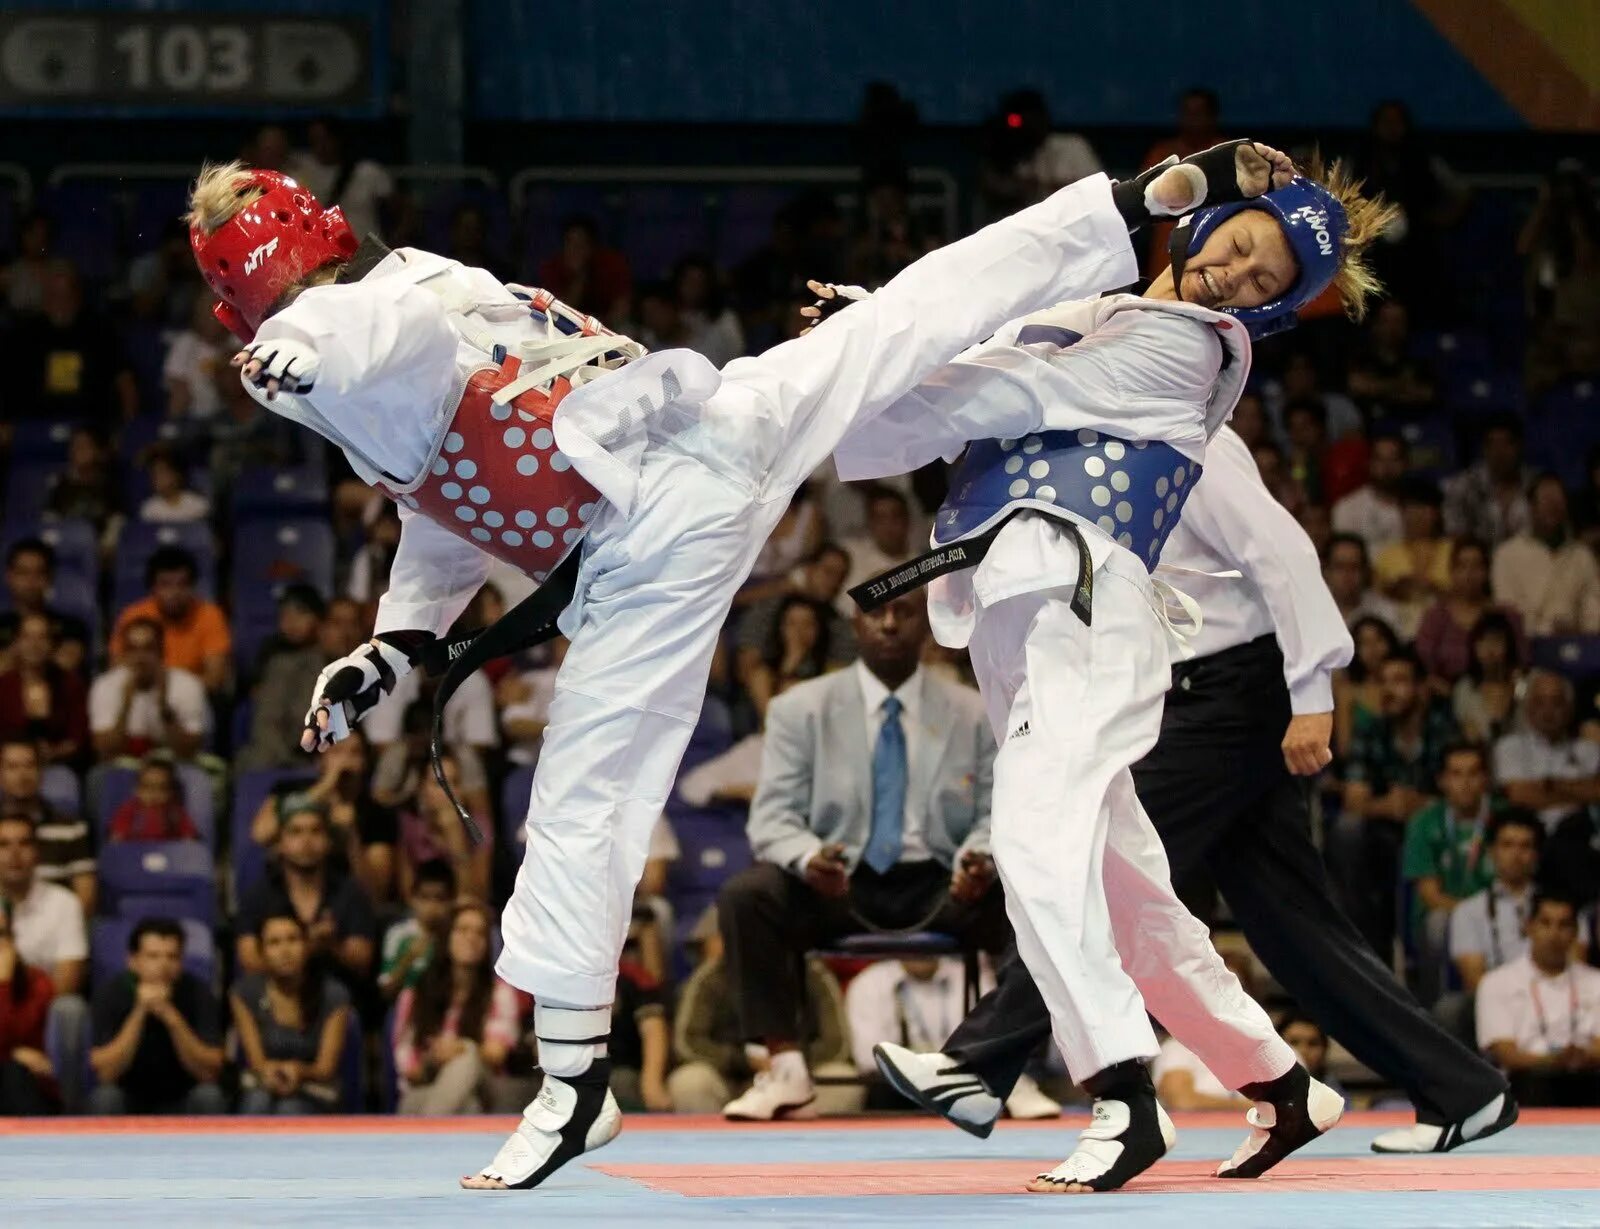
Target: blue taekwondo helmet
(1314,223)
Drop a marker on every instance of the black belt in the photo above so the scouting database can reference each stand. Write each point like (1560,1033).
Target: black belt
(531,621)
(908,577)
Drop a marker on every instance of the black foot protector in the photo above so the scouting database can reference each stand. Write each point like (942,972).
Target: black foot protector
(1290,1112)
(568,1118)
(1130,1133)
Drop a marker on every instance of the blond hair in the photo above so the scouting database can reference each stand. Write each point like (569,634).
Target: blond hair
(219,193)
(1366,218)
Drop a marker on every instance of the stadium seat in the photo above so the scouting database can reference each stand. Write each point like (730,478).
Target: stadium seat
(1432,444)
(663,224)
(352,1087)
(712,844)
(249,792)
(1490,391)
(269,554)
(514,794)
(40,440)
(1460,349)
(113,786)
(1573,657)
(88,224)
(272,491)
(140,540)
(108,948)
(745,224)
(75,543)
(174,878)
(60,787)
(1563,426)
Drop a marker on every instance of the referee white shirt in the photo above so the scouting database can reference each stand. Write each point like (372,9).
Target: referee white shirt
(1231,522)
(1540,1014)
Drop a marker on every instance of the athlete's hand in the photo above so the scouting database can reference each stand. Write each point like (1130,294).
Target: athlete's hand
(348,689)
(1231,171)
(1305,743)
(282,365)
(831,300)
(1260,168)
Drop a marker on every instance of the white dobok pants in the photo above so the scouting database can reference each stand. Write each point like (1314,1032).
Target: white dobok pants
(655,586)
(1086,880)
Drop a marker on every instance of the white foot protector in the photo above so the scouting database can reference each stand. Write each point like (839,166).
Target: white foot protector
(1098,1160)
(539,1137)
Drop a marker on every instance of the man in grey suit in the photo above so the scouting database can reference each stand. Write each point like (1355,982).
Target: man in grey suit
(872,812)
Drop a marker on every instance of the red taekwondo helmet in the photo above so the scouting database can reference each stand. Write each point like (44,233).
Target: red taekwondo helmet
(270,245)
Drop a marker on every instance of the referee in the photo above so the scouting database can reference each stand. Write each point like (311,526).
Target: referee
(1221,787)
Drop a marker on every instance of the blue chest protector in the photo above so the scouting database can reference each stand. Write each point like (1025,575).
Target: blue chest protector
(1131,492)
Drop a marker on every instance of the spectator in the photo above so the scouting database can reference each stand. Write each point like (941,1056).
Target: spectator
(195,634)
(1273,466)
(1444,636)
(470,244)
(1348,573)
(795,538)
(1372,511)
(454,1030)
(1546,574)
(47,926)
(66,363)
(1182,1081)
(195,360)
(1488,928)
(269,149)
(41,702)
(1489,499)
(1317,521)
(798,649)
(589,276)
(840,815)
(27,1078)
(1569,867)
(23,279)
(409,944)
(714,329)
(886,542)
(889,236)
(30,576)
(142,705)
(1443,857)
(244,433)
(1485,697)
(641,1041)
(1539,1014)
(1560,246)
(1301,382)
(286,676)
(821,579)
(1306,430)
(524,701)
(66,856)
(304,884)
(1543,765)
(400,727)
(86,489)
(364,831)
(652,911)
(1249,420)
(660,319)
(433,831)
(917,1002)
(292,1021)
(714,1066)
(369,570)
(162,282)
(171,502)
(156,811)
(1391,773)
(1357,689)
(1415,571)
(1198,112)
(1586,502)
(1024,159)
(1384,376)
(359,186)
(158,1037)
(1310,1045)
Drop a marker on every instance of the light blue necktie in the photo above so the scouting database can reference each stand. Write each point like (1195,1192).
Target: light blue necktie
(888,792)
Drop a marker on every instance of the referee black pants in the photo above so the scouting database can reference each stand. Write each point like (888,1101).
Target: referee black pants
(1216,788)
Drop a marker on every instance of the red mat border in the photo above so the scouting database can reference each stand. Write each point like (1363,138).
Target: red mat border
(384,1124)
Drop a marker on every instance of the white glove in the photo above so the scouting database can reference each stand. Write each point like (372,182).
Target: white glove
(832,298)
(348,689)
(282,365)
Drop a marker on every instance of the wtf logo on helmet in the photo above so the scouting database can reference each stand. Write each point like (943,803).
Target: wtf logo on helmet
(258,256)
(1317,220)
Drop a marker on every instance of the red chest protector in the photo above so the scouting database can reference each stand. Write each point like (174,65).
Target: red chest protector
(498,480)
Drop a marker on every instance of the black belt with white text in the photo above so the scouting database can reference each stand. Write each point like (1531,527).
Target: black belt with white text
(908,577)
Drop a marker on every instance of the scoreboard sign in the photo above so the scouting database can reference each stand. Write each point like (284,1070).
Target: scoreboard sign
(131,62)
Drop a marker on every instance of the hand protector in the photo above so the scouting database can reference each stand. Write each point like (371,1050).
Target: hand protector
(1214,176)
(349,688)
(841,298)
(292,364)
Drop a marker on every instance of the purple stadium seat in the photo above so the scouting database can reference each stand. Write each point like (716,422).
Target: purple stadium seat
(269,553)
(114,786)
(249,792)
(712,845)
(1561,429)
(108,947)
(40,440)
(1576,657)
(1432,443)
(76,545)
(1488,391)
(271,491)
(60,787)
(139,878)
(1460,349)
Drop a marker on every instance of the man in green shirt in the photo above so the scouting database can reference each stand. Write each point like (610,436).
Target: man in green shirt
(408,944)
(1445,857)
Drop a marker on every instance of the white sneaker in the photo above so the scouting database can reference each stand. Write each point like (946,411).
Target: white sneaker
(941,1085)
(778,1092)
(1426,1137)
(1027,1100)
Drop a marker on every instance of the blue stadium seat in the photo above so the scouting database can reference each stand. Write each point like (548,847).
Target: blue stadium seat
(114,786)
(514,794)
(269,554)
(60,787)
(254,623)
(88,224)
(145,878)
(1575,657)
(108,948)
(1461,349)
(1491,391)
(663,224)
(273,491)
(75,543)
(140,540)
(746,219)
(154,206)
(1563,426)
(40,440)
(27,486)
(249,792)
(1432,443)
(712,844)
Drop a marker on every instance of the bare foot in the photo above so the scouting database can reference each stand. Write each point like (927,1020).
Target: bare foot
(1043,1185)
(478,1182)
